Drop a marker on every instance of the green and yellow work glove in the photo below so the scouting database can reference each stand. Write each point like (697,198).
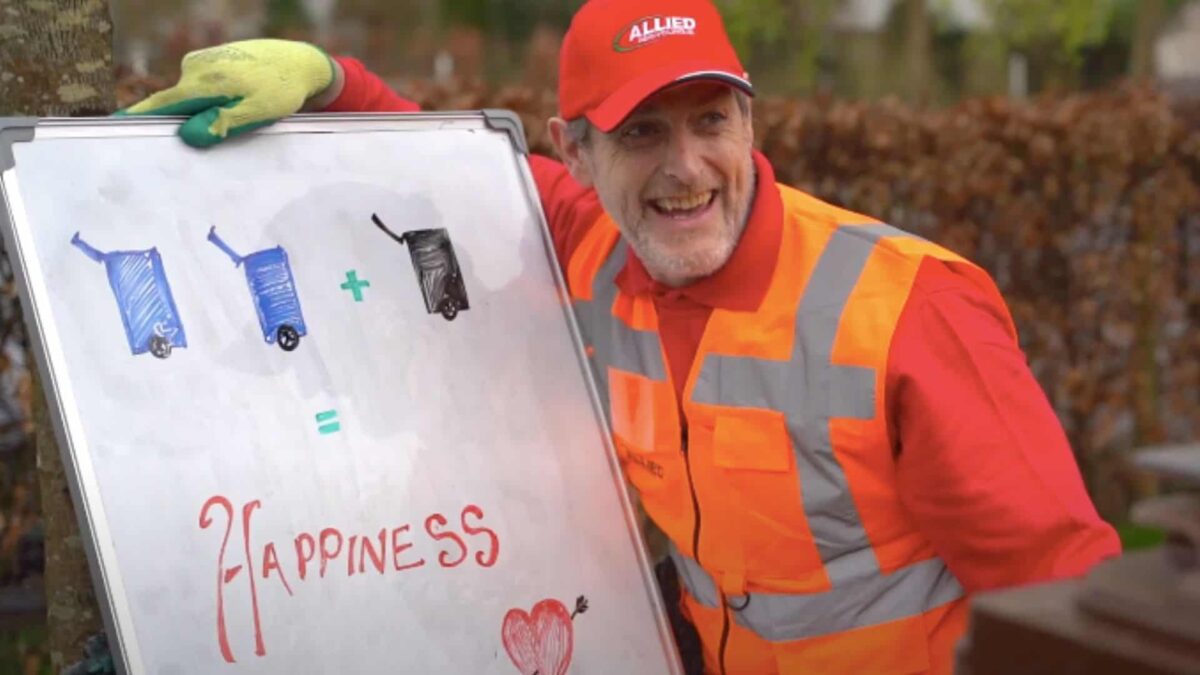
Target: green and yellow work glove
(236,87)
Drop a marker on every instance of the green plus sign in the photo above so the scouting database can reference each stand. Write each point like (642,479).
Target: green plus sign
(354,285)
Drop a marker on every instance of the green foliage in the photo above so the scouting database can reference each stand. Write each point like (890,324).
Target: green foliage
(21,646)
(813,31)
(790,37)
(285,15)
(516,19)
(512,19)
(1124,17)
(1070,26)
(473,13)
(1136,537)
(753,23)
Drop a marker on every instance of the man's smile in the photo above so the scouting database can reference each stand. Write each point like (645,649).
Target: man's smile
(684,207)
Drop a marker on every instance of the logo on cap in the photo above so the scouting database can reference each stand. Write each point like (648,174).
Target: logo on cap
(650,28)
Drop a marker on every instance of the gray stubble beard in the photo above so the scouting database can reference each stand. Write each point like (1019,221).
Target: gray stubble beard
(680,271)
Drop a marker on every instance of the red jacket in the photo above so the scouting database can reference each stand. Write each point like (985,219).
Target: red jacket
(1005,510)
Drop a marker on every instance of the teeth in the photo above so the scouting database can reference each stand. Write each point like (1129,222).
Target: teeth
(684,203)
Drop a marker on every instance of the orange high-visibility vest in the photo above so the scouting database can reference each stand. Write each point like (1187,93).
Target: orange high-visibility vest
(779,493)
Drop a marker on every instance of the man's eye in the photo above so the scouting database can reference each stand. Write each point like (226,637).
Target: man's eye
(639,130)
(713,118)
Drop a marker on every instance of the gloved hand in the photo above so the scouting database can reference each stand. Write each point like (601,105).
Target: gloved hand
(236,87)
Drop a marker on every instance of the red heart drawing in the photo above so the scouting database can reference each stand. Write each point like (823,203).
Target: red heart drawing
(539,643)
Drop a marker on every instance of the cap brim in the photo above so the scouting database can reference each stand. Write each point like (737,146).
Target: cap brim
(621,102)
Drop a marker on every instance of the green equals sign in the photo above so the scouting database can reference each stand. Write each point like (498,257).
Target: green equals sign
(328,422)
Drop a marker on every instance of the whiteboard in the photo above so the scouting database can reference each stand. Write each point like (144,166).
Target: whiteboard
(299,442)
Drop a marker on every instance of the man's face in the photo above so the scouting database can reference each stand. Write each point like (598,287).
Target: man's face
(678,177)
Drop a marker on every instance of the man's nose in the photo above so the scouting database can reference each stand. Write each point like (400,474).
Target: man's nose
(684,161)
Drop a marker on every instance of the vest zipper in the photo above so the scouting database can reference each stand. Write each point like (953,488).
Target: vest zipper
(724,633)
(687,463)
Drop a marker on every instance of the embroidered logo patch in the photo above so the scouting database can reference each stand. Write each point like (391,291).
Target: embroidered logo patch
(650,28)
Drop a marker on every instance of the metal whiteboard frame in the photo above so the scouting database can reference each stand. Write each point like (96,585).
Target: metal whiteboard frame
(60,399)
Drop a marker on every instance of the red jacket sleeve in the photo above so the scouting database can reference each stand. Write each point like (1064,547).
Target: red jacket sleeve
(363,91)
(984,466)
(570,208)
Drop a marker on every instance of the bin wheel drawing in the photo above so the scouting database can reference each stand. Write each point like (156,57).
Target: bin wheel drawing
(287,337)
(160,346)
(449,309)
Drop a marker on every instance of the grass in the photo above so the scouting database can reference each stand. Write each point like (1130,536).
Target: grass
(1135,537)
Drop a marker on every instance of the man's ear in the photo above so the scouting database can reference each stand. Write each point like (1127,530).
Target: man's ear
(570,151)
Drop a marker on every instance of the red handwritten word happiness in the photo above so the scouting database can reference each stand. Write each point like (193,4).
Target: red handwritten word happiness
(387,551)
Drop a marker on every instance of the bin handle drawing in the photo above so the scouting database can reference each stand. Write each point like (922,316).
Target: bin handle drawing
(399,238)
(139,285)
(220,243)
(87,249)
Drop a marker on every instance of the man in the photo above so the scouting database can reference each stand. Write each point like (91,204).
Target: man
(830,419)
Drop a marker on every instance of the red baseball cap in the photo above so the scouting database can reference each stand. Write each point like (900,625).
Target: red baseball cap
(618,52)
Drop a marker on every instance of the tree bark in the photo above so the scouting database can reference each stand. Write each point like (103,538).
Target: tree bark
(56,57)
(918,51)
(56,60)
(1151,14)
(72,612)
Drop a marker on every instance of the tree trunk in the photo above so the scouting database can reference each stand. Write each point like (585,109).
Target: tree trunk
(72,613)
(1151,14)
(56,60)
(918,51)
(56,57)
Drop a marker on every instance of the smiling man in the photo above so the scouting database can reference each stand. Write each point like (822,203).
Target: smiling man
(829,418)
(682,209)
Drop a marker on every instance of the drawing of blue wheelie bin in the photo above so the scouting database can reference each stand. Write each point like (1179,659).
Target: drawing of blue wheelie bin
(139,284)
(273,290)
(437,268)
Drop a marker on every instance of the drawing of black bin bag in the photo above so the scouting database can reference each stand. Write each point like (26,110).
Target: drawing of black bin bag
(139,283)
(273,290)
(437,269)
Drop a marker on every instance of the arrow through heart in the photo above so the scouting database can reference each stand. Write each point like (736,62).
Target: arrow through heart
(541,642)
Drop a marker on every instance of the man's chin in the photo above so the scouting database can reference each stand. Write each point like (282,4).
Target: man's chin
(679,268)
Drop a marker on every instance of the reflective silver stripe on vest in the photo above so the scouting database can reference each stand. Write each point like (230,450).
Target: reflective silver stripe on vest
(809,389)
(854,603)
(616,344)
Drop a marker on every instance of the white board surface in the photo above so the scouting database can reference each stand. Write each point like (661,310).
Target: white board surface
(468,453)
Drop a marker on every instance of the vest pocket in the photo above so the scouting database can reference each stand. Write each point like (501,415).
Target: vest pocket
(752,440)
(757,513)
(643,412)
(645,430)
